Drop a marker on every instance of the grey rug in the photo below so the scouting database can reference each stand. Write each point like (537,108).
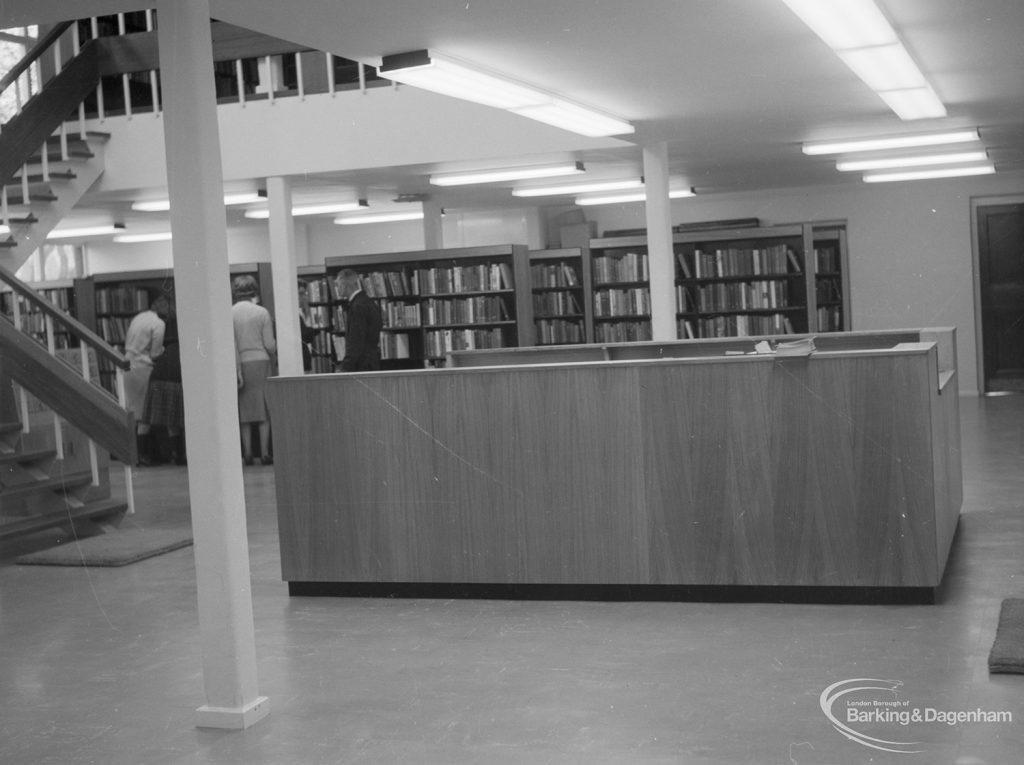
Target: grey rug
(117,547)
(1007,655)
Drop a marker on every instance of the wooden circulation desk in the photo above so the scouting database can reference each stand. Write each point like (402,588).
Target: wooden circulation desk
(670,470)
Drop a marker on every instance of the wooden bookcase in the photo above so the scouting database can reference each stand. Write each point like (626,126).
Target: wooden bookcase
(831,281)
(621,295)
(560,283)
(729,282)
(61,294)
(438,301)
(317,309)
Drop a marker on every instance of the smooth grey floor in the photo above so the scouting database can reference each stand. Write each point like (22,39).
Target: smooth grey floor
(102,665)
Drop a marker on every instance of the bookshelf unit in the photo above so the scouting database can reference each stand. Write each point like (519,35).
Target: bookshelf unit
(621,294)
(729,282)
(560,281)
(60,293)
(831,283)
(317,311)
(438,301)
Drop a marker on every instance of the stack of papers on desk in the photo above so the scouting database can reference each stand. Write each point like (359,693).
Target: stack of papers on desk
(802,347)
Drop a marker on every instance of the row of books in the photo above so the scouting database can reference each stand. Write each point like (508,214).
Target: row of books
(381,284)
(122,300)
(744,326)
(742,296)
(732,261)
(394,345)
(440,342)
(318,317)
(622,332)
(625,267)
(322,344)
(485,277)
(549,275)
(828,259)
(635,301)
(558,331)
(316,290)
(113,328)
(555,304)
(472,310)
(828,290)
(398,314)
(830,319)
(322,365)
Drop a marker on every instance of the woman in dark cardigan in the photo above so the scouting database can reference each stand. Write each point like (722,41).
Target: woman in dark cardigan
(165,402)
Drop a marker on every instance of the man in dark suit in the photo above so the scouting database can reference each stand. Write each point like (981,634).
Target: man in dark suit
(363,323)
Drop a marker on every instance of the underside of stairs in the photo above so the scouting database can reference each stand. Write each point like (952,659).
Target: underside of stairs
(40,491)
(36,204)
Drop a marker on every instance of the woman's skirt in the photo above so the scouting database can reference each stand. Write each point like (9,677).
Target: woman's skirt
(252,406)
(165,404)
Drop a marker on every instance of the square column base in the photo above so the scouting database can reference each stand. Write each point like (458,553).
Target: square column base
(233,718)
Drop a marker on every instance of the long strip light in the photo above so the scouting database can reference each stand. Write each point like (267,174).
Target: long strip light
(508,174)
(351,220)
(577,188)
(432,71)
(84,231)
(323,209)
(4,229)
(635,196)
(892,142)
(156,236)
(920,175)
(163,205)
(888,163)
(864,39)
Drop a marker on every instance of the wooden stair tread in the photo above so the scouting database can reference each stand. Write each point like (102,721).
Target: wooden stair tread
(48,484)
(30,524)
(26,457)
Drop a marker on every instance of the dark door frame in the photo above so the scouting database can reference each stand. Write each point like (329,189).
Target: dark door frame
(977,203)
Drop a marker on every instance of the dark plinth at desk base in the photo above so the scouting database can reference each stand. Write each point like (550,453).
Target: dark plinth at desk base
(833,477)
(889,596)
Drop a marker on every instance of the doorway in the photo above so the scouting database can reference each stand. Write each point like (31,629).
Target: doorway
(1000,230)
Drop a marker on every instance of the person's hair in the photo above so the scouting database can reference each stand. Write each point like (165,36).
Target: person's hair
(244,287)
(161,305)
(349,275)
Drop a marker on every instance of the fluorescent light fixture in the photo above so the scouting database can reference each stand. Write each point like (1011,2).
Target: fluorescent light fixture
(323,209)
(156,236)
(892,142)
(350,220)
(163,205)
(845,24)
(633,196)
(507,174)
(920,175)
(442,74)
(914,103)
(4,229)
(862,37)
(84,231)
(577,188)
(913,161)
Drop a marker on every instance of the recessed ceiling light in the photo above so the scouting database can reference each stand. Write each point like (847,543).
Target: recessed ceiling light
(323,209)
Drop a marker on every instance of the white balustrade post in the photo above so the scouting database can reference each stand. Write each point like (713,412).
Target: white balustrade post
(58,428)
(122,399)
(330,73)
(94,464)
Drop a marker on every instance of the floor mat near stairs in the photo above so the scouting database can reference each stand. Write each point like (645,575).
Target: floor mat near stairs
(117,547)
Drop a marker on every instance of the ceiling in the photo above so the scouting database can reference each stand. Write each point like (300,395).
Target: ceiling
(732,86)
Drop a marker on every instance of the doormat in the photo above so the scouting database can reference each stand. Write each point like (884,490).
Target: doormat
(117,547)
(1007,655)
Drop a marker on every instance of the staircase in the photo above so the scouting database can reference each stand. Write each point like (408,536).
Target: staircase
(58,427)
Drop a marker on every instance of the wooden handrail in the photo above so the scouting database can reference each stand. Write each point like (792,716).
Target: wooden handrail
(34,53)
(73,326)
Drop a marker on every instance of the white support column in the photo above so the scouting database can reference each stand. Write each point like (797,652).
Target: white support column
(661,260)
(284,275)
(201,275)
(433,233)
